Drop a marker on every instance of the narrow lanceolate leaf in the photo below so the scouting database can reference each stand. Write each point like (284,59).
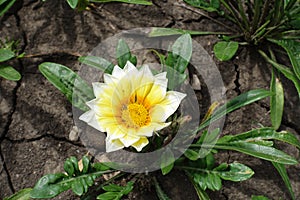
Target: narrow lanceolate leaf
(9,73)
(276,102)
(6,54)
(283,173)
(77,91)
(259,151)
(262,134)
(141,2)
(97,62)
(158,32)
(292,47)
(235,103)
(225,50)
(72,3)
(288,73)
(20,195)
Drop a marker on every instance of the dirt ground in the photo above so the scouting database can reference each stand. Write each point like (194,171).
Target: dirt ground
(36,120)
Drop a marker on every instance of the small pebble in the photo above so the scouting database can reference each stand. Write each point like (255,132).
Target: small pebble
(196,85)
(73,135)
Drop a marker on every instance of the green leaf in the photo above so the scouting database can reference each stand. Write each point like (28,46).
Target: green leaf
(167,161)
(97,62)
(69,168)
(112,188)
(178,60)
(9,73)
(23,194)
(6,5)
(72,3)
(276,102)
(124,54)
(284,70)
(262,134)
(237,172)
(235,103)
(211,179)
(200,192)
(214,182)
(283,173)
(253,197)
(51,185)
(158,32)
(159,191)
(141,2)
(46,187)
(259,151)
(292,47)
(6,54)
(77,91)
(191,154)
(115,192)
(225,50)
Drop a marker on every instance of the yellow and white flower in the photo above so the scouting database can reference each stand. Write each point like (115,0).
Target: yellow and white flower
(130,105)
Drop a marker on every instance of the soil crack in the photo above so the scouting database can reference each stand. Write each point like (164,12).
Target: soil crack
(236,81)
(4,167)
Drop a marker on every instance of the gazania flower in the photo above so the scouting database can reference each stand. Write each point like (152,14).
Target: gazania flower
(130,105)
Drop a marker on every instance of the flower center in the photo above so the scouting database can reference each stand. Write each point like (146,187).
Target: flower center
(135,115)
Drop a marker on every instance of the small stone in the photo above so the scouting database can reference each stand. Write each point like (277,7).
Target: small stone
(196,85)
(73,135)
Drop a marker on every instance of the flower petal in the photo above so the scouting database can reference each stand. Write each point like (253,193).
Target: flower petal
(90,118)
(129,139)
(118,72)
(98,88)
(140,144)
(147,131)
(161,111)
(113,145)
(115,132)
(129,67)
(110,79)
